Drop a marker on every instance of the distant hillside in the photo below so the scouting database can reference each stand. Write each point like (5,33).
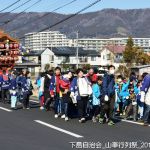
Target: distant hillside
(103,24)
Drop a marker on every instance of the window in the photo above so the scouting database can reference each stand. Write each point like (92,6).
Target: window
(108,56)
(82,59)
(59,58)
(51,58)
(93,58)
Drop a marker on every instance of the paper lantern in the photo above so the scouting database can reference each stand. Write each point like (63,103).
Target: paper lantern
(16,58)
(16,45)
(11,59)
(7,46)
(10,46)
(6,59)
(2,58)
(15,52)
(2,45)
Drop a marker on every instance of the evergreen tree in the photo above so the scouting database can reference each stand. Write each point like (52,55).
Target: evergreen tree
(134,55)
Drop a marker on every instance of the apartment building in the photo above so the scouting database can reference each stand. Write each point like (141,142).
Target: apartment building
(99,44)
(41,40)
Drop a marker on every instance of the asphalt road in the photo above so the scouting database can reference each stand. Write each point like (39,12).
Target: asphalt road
(38,130)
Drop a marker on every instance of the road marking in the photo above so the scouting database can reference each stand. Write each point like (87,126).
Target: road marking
(58,129)
(8,110)
(34,101)
(129,121)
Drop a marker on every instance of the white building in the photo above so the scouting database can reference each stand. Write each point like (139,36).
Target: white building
(112,55)
(41,40)
(139,70)
(58,56)
(99,44)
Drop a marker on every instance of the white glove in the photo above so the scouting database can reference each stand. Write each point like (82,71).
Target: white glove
(106,98)
(72,94)
(13,92)
(73,97)
(142,96)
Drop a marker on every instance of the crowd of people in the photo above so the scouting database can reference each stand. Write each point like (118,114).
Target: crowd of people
(16,87)
(86,96)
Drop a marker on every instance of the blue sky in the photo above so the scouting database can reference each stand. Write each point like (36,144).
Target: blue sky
(49,5)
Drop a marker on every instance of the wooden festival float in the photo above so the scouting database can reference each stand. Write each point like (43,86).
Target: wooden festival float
(9,51)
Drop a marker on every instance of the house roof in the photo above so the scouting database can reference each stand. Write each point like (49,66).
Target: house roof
(65,51)
(139,67)
(5,36)
(117,49)
(26,65)
(71,51)
(34,53)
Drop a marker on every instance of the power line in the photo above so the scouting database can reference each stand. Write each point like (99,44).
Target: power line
(8,21)
(67,18)
(10,6)
(36,19)
(17,7)
(71,16)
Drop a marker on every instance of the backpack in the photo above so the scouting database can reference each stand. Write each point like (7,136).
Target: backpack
(6,82)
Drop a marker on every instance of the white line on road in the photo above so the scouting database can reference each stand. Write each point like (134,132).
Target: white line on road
(58,129)
(129,121)
(8,110)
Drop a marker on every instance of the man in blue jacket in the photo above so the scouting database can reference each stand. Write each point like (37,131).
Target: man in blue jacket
(5,83)
(145,98)
(109,96)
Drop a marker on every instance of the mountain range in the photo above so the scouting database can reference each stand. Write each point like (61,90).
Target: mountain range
(106,23)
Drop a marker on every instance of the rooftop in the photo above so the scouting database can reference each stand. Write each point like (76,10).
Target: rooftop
(65,51)
(71,51)
(117,49)
(142,66)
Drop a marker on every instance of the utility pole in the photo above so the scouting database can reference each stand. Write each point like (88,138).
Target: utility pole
(77,49)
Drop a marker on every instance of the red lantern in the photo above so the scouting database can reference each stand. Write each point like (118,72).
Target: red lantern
(2,58)
(6,59)
(16,58)
(16,45)
(11,59)
(10,46)
(2,45)
(7,46)
(15,52)
(12,52)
